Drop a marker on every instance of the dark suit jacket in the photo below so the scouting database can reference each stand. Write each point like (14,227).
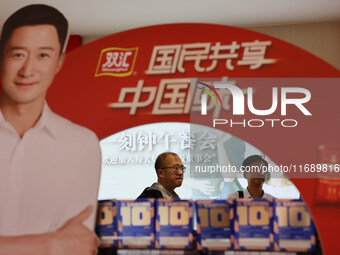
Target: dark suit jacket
(150,193)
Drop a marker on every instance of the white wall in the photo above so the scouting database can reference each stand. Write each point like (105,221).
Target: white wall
(321,39)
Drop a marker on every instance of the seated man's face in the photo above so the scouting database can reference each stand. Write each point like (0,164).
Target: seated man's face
(30,60)
(255,175)
(172,178)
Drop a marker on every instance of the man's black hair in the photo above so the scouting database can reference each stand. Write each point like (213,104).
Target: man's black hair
(162,158)
(35,14)
(251,159)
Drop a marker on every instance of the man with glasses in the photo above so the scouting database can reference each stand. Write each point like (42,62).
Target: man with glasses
(170,170)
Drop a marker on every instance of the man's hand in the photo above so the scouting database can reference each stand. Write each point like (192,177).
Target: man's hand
(204,186)
(74,237)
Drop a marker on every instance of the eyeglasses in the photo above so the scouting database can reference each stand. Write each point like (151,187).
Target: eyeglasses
(176,168)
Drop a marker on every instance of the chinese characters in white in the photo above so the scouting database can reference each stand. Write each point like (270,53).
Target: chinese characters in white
(167,59)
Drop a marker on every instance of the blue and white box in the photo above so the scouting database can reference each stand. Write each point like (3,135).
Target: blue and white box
(293,226)
(174,227)
(136,223)
(215,220)
(106,224)
(253,224)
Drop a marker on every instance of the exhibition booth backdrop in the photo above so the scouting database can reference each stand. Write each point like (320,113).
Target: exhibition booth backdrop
(137,90)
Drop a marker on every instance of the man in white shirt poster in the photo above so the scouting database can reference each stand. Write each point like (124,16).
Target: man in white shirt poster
(50,167)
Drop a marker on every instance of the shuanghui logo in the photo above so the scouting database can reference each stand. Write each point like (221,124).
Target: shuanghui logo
(118,62)
(295,96)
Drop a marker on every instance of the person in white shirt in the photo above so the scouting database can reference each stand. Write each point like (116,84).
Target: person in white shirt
(252,168)
(50,167)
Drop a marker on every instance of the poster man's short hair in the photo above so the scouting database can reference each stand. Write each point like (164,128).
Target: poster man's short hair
(35,14)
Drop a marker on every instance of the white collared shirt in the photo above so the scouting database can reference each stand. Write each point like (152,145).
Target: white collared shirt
(246,194)
(47,176)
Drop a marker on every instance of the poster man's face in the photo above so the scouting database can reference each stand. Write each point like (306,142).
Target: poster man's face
(31,59)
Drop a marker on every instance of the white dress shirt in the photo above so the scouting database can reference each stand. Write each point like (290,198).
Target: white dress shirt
(246,194)
(47,176)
